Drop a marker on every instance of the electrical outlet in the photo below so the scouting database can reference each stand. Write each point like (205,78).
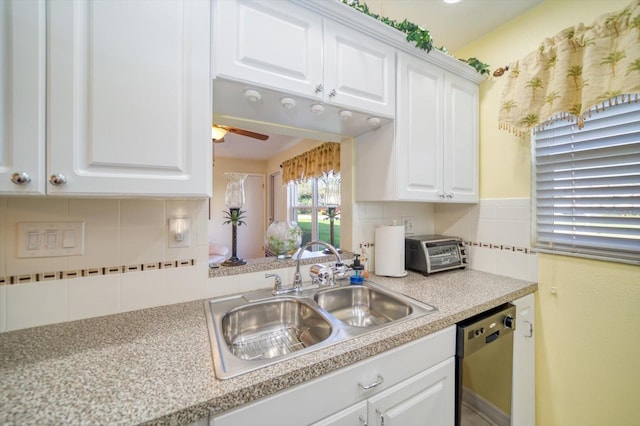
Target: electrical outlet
(407,221)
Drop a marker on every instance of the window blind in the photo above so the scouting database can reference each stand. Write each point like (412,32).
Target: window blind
(587,185)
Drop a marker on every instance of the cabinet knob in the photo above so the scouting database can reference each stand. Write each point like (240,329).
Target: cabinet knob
(319,88)
(441,195)
(57,180)
(449,195)
(332,93)
(20,178)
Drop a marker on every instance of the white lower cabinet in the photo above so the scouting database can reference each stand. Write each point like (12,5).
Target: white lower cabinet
(412,384)
(424,399)
(355,415)
(523,408)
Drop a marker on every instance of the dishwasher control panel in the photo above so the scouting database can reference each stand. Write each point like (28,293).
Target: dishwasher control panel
(484,328)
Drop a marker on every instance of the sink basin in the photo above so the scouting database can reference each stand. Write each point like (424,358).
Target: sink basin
(362,306)
(252,330)
(271,329)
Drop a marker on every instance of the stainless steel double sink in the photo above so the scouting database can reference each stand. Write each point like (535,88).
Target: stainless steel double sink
(252,330)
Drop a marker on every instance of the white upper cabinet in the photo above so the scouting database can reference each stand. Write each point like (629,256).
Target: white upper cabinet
(285,47)
(461,130)
(419,130)
(432,153)
(22,97)
(127,99)
(274,44)
(359,72)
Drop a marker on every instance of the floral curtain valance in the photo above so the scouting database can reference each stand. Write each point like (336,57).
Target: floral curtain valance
(578,69)
(323,158)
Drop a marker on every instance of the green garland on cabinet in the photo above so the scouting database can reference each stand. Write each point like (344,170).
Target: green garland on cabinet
(415,33)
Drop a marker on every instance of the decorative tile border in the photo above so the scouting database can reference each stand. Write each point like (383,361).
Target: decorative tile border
(92,272)
(505,247)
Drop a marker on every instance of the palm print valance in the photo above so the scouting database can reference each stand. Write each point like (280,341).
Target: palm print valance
(321,159)
(579,68)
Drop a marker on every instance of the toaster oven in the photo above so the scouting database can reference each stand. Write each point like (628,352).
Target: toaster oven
(434,253)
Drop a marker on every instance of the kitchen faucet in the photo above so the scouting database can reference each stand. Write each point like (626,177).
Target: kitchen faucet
(338,267)
(322,275)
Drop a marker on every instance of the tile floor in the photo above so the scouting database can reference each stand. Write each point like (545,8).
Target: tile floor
(471,417)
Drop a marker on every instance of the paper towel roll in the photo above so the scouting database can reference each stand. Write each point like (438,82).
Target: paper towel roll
(389,251)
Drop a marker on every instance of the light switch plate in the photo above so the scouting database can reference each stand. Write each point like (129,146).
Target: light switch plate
(50,239)
(407,221)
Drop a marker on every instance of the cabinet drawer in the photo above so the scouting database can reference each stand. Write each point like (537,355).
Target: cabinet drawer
(318,398)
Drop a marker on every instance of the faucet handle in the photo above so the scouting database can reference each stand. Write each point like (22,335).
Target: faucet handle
(277,283)
(321,275)
(340,270)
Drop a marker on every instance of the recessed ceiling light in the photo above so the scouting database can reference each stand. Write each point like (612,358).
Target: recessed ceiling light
(451,1)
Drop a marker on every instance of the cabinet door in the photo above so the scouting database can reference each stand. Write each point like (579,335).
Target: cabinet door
(22,96)
(425,399)
(359,71)
(419,130)
(523,397)
(274,44)
(129,98)
(460,140)
(356,415)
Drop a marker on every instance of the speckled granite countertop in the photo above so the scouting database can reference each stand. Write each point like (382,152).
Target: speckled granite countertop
(154,366)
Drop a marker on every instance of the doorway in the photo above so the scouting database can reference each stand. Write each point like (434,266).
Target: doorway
(251,234)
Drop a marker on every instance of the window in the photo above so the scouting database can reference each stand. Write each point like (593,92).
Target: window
(587,185)
(313,203)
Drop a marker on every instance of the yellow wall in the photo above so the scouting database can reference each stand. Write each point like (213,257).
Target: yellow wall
(587,348)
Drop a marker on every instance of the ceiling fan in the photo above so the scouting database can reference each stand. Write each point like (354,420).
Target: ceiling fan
(218,132)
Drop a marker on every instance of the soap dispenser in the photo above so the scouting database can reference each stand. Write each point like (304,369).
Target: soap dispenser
(357,267)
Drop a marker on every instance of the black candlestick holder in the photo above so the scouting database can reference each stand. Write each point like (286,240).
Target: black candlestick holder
(234,260)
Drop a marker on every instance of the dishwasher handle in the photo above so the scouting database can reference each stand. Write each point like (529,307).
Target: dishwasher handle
(490,338)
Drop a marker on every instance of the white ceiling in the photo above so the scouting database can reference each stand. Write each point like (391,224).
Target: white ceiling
(451,25)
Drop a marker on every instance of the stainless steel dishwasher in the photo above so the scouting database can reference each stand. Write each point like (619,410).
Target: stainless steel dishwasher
(484,368)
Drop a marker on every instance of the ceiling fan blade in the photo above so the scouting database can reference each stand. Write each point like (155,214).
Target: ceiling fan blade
(248,133)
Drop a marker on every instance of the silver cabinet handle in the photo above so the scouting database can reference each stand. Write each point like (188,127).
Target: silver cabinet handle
(378,382)
(381,417)
(57,180)
(449,195)
(530,328)
(319,88)
(362,420)
(20,178)
(332,93)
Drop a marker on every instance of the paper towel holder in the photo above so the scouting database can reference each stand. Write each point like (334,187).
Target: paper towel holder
(389,254)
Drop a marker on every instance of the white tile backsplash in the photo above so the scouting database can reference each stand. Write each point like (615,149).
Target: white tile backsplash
(495,222)
(142,213)
(143,244)
(139,290)
(132,232)
(39,303)
(184,284)
(117,232)
(94,296)
(96,213)
(101,247)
